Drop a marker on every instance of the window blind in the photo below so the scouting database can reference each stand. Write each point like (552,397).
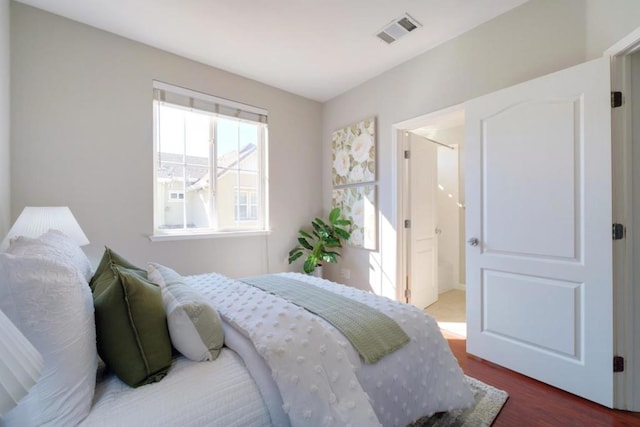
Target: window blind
(164,92)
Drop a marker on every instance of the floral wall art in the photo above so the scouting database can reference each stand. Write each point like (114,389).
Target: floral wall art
(353,173)
(358,203)
(354,153)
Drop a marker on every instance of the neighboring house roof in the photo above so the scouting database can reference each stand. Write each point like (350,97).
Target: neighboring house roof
(197,172)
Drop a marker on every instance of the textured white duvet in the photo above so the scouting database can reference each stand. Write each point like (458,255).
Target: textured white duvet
(321,379)
(289,367)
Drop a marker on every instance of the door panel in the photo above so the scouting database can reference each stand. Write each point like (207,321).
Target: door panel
(538,192)
(546,139)
(519,306)
(423,240)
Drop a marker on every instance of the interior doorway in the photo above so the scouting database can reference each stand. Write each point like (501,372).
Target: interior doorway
(434,189)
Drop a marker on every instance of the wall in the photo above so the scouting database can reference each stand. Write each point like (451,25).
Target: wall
(608,21)
(5,177)
(450,215)
(82,137)
(537,38)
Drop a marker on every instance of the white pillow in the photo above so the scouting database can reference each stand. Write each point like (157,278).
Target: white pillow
(195,326)
(51,304)
(53,240)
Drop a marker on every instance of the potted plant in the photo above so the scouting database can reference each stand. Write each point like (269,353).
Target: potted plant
(320,243)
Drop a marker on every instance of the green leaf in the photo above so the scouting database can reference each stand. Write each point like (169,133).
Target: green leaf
(310,264)
(334,215)
(345,222)
(342,233)
(304,243)
(320,222)
(294,250)
(294,257)
(330,257)
(305,234)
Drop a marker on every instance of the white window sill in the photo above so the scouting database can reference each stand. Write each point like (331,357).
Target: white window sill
(206,235)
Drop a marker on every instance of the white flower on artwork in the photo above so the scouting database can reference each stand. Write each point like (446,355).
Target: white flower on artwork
(341,163)
(357,211)
(357,174)
(360,148)
(357,238)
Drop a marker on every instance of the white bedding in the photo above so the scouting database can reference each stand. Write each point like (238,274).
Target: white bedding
(216,393)
(291,368)
(321,379)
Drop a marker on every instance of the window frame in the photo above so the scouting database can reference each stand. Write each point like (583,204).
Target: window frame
(262,227)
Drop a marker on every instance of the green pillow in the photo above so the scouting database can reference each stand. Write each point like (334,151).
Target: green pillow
(131,325)
(104,275)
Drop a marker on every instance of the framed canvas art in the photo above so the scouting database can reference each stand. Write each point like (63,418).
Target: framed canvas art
(354,153)
(358,203)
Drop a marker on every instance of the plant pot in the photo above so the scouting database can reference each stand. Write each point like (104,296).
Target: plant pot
(317,272)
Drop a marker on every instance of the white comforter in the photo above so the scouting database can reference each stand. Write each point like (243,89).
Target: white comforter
(220,393)
(320,377)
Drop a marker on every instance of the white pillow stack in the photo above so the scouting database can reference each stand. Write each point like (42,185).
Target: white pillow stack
(53,243)
(195,326)
(44,292)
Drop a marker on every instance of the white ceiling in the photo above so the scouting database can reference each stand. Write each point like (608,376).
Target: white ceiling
(314,48)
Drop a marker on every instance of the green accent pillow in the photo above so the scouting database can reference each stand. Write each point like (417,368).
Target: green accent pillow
(104,275)
(131,325)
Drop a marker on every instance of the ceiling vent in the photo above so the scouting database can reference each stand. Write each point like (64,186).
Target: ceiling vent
(398,28)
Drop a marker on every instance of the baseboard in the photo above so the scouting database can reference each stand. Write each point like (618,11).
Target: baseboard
(461,287)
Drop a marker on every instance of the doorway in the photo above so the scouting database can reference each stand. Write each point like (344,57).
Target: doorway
(434,189)
(625,389)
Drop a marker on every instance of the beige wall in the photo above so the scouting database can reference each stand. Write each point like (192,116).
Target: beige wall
(608,21)
(82,136)
(5,177)
(532,40)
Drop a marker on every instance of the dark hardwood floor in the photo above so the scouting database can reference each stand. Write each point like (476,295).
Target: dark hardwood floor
(532,403)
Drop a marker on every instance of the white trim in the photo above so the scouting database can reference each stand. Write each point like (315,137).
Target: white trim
(209,98)
(206,235)
(626,46)
(626,297)
(398,174)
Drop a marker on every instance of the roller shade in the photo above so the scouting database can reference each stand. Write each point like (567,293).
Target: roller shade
(164,92)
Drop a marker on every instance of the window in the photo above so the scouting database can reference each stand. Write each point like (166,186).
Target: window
(210,164)
(175,196)
(246,205)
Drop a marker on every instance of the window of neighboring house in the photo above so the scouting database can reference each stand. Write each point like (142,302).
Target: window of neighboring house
(210,164)
(246,205)
(176,196)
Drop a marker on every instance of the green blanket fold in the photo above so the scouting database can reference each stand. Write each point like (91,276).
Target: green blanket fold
(372,333)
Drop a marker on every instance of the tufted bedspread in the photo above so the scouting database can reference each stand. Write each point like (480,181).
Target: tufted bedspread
(320,378)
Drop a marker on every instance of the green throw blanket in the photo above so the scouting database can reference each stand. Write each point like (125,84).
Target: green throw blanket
(372,334)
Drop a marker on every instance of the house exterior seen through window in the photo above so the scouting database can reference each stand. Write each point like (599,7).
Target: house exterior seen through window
(210,164)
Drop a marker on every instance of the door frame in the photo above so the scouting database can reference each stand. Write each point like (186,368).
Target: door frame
(400,175)
(626,297)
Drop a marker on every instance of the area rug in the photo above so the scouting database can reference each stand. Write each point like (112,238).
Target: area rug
(489,401)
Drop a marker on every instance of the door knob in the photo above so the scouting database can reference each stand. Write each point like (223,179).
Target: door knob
(473,241)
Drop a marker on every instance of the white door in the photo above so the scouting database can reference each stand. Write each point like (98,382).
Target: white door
(423,240)
(538,186)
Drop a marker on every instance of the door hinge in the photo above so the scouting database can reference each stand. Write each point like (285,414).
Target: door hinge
(616,99)
(407,294)
(407,154)
(617,231)
(407,223)
(618,364)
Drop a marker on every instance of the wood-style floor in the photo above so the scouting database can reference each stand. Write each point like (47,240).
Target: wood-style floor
(532,403)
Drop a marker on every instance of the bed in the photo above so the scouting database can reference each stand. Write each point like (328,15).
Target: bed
(281,365)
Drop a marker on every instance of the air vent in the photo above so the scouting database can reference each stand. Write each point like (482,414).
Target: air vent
(398,28)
